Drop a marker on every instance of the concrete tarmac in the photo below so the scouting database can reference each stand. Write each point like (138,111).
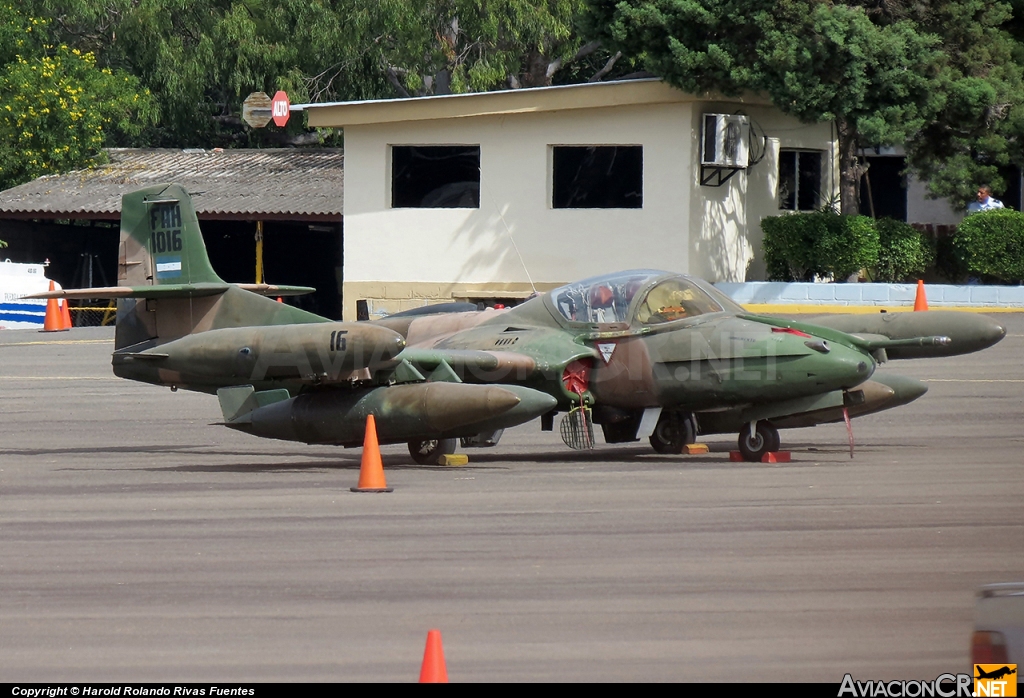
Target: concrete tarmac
(141,542)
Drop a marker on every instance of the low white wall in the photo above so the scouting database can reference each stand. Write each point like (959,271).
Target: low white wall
(939,295)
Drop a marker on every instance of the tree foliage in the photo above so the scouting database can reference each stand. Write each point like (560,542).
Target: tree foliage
(203,57)
(978,131)
(58,108)
(818,61)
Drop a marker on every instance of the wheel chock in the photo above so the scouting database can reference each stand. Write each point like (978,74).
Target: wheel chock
(694,449)
(453,459)
(736,457)
(776,457)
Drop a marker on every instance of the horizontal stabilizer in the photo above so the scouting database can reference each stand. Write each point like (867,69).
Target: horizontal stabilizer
(237,402)
(276,289)
(170,291)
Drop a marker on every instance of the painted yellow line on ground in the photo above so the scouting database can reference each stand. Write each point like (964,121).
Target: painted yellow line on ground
(59,341)
(973,380)
(801,309)
(61,378)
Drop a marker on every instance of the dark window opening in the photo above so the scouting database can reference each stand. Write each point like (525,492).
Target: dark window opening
(883,188)
(606,176)
(436,176)
(1011,196)
(799,180)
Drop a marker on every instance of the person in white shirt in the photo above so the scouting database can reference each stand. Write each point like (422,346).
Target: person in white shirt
(985,201)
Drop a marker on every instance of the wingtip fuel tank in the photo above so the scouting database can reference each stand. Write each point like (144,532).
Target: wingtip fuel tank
(966,332)
(404,412)
(316,353)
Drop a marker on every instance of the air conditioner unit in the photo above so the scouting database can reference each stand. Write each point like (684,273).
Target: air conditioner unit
(725,140)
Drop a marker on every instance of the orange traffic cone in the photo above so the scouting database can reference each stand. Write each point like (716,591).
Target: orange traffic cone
(920,301)
(280,300)
(53,322)
(433,669)
(371,469)
(65,314)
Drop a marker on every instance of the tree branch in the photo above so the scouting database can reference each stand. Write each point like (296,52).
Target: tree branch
(607,67)
(395,82)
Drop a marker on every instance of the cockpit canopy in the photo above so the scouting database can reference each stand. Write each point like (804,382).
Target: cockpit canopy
(638,298)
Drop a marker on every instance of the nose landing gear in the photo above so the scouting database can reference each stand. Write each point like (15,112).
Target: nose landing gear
(755,443)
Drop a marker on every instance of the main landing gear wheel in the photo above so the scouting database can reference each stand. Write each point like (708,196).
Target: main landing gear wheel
(765,440)
(427,452)
(674,430)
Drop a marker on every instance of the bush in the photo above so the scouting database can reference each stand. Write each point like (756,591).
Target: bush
(949,262)
(903,252)
(991,245)
(798,247)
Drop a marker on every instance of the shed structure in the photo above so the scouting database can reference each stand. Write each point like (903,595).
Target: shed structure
(293,195)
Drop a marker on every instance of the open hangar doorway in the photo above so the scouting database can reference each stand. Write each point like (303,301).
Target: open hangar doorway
(295,254)
(83,253)
(78,253)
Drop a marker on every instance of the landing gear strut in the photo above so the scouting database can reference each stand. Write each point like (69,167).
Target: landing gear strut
(674,431)
(427,451)
(765,439)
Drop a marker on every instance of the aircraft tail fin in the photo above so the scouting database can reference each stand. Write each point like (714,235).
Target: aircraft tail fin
(161,242)
(166,286)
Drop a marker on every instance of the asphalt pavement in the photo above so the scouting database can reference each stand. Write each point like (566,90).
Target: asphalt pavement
(140,541)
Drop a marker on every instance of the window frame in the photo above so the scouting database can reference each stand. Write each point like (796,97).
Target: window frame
(393,174)
(554,201)
(797,177)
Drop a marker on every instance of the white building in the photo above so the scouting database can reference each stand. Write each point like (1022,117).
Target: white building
(469,197)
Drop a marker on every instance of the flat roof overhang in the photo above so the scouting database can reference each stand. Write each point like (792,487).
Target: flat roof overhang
(521,101)
(215,216)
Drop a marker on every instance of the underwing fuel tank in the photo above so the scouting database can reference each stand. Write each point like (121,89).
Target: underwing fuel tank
(402,412)
(262,356)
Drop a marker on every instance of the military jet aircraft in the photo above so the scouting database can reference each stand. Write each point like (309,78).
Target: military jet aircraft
(641,353)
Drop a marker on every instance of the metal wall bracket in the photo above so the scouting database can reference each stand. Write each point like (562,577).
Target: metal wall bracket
(716,175)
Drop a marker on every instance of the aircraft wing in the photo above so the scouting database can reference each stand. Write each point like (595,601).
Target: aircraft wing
(490,366)
(195,290)
(884,391)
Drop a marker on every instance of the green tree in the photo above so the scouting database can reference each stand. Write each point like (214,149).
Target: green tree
(202,57)
(57,107)
(880,83)
(978,131)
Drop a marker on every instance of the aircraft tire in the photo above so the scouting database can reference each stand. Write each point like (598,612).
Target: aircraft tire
(765,440)
(427,451)
(673,432)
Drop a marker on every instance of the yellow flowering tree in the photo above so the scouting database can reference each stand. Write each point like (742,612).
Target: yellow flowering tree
(58,109)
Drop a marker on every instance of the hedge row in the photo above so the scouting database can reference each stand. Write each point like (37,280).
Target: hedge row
(988,246)
(826,244)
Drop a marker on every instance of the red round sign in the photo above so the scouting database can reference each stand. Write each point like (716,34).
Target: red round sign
(279,108)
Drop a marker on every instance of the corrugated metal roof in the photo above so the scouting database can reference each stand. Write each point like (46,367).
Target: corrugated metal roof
(280,183)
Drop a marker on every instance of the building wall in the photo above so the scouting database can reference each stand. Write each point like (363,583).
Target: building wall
(400,258)
(922,210)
